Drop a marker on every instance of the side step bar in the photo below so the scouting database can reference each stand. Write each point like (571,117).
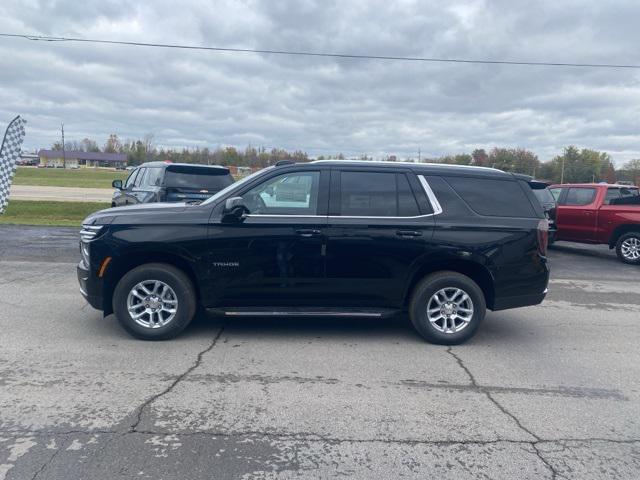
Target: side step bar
(301,312)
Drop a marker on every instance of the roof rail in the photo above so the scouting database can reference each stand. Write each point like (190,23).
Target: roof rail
(281,163)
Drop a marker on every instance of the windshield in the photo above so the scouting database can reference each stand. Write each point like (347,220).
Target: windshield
(544,195)
(236,185)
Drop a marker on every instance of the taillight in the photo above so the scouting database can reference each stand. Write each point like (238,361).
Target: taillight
(543,236)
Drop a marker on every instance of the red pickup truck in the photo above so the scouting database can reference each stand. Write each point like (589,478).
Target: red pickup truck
(600,213)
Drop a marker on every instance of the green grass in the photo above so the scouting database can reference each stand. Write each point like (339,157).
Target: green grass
(60,177)
(25,212)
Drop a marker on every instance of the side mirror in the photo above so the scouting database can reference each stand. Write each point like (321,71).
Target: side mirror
(117,184)
(234,210)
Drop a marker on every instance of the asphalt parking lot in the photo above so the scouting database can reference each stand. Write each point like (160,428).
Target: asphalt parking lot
(551,391)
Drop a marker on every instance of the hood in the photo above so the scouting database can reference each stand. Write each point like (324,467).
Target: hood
(107,215)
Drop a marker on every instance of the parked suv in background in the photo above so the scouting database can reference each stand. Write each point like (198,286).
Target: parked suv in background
(170,182)
(327,238)
(600,213)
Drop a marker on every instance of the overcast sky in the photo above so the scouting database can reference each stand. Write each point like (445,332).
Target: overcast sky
(324,105)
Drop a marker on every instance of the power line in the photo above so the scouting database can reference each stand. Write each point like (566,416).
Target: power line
(45,38)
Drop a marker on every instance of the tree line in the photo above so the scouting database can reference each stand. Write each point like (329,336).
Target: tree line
(572,165)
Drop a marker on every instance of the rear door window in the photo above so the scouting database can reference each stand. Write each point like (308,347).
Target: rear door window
(376,194)
(580,196)
(497,198)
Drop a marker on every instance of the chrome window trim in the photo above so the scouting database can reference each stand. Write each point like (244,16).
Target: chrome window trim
(256,215)
(435,204)
(381,218)
(281,215)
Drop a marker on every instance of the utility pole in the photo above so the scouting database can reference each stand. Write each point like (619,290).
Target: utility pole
(562,172)
(419,155)
(64,155)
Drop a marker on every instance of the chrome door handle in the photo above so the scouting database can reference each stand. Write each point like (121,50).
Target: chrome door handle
(308,233)
(409,233)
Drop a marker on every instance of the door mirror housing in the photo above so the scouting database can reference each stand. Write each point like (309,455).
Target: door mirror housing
(117,184)
(234,210)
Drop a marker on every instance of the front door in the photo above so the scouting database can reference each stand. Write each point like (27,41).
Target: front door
(275,257)
(577,215)
(378,230)
(121,197)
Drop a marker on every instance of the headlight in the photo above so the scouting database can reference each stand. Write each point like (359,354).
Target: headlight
(89,232)
(84,251)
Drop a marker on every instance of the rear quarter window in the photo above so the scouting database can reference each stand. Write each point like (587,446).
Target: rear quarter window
(489,197)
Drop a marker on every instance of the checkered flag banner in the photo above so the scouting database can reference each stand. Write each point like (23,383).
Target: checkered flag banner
(9,154)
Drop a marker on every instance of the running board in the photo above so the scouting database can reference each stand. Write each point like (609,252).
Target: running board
(302,312)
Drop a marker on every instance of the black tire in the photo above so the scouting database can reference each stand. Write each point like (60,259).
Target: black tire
(422,295)
(619,247)
(171,276)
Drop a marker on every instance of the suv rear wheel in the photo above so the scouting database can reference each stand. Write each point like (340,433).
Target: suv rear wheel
(628,248)
(155,301)
(447,307)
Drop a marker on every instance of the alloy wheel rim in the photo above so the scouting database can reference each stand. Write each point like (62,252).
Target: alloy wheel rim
(152,304)
(630,248)
(450,310)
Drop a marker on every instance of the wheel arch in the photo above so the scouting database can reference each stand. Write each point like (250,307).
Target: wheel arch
(477,272)
(621,230)
(125,263)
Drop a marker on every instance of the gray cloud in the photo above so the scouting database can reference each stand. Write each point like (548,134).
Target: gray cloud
(322,105)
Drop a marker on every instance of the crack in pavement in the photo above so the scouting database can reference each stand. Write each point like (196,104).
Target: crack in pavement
(48,462)
(534,444)
(306,437)
(178,379)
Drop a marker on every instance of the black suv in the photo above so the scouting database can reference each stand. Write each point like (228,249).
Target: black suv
(327,238)
(170,182)
(549,205)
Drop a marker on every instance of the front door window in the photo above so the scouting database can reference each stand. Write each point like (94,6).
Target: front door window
(287,194)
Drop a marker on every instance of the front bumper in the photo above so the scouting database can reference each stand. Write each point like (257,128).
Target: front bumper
(89,287)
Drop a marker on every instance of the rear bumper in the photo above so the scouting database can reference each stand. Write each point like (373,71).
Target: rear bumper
(89,288)
(519,301)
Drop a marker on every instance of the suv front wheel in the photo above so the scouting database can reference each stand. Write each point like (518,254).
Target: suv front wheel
(447,307)
(154,301)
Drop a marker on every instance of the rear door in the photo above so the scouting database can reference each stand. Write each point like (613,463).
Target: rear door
(380,225)
(577,215)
